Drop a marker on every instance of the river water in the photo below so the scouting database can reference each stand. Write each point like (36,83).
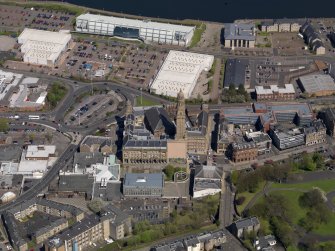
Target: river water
(216,10)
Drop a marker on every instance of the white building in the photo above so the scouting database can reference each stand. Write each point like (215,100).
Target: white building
(135,29)
(105,173)
(8,81)
(40,152)
(43,47)
(207,181)
(180,71)
(36,160)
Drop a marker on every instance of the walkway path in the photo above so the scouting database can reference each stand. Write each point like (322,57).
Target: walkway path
(215,92)
(330,202)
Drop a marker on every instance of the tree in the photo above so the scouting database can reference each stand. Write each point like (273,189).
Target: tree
(318,159)
(232,88)
(241,89)
(95,205)
(169,171)
(4,125)
(283,231)
(311,198)
(240,200)
(48,137)
(307,162)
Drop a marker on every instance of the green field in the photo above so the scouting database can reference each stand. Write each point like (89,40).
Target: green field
(145,102)
(248,196)
(325,185)
(199,30)
(292,199)
(327,229)
(296,211)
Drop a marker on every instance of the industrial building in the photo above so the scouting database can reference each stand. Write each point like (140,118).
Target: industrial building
(275,93)
(317,85)
(145,30)
(43,47)
(36,159)
(239,35)
(143,184)
(180,71)
(237,73)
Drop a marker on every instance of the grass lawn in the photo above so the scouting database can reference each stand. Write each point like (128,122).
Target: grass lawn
(325,185)
(327,229)
(248,196)
(292,248)
(297,212)
(145,102)
(197,34)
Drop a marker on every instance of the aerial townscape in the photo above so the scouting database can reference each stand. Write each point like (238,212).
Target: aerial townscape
(122,132)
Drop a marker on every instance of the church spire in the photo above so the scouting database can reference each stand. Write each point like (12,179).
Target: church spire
(180,118)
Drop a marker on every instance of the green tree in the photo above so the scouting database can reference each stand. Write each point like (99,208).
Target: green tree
(95,205)
(311,198)
(318,159)
(283,231)
(4,125)
(241,89)
(307,162)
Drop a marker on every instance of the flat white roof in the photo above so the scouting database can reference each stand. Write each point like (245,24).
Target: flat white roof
(317,82)
(40,151)
(135,23)
(180,71)
(40,44)
(274,88)
(7,81)
(61,37)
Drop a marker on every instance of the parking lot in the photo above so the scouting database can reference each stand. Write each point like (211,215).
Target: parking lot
(133,62)
(90,108)
(18,18)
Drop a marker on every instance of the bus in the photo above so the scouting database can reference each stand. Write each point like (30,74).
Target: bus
(33,117)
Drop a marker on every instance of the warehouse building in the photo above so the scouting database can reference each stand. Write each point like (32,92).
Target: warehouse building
(145,30)
(180,71)
(239,35)
(43,47)
(317,84)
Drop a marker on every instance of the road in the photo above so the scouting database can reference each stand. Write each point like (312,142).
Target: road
(45,181)
(226,203)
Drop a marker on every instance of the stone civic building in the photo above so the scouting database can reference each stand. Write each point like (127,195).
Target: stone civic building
(195,133)
(143,184)
(243,151)
(239,35)
(315,133)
